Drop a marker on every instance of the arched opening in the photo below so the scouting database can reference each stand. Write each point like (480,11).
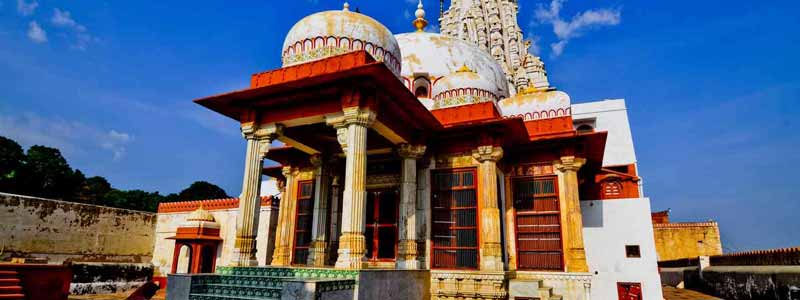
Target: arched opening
(421,92)
(584,128)
(422,87)
(207,259)
(184,259)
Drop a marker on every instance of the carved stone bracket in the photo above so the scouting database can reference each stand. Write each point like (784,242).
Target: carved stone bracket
(411,151)
(487,153)
(569,163)
(265,134)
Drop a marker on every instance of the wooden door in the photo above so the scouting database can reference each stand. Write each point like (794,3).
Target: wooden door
(381,224)
(538,224)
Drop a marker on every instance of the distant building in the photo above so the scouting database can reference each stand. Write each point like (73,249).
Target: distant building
(685,239)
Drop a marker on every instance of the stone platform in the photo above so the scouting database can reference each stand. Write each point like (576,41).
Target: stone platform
(268,283)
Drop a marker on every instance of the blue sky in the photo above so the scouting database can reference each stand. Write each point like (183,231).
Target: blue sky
(711,87)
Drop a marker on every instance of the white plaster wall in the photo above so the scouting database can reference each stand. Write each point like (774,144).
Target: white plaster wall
(167,224)
(269,187)
(609,225)
(611,116)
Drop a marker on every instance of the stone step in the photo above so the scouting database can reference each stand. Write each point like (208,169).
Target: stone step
(258,292)
(6,290)
(199,296)
(8,274)
(9,281)
(12,297)
(240,280)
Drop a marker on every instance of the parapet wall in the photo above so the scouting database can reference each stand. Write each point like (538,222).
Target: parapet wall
(686,240)
(59,231)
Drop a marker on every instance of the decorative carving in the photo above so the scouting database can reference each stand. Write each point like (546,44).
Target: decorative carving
(536,169)
(358,116)
(569,163)
(452,285)
(411,151)
(488,153)
(493,26)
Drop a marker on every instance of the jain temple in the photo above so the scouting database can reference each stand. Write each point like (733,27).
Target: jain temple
(417,165)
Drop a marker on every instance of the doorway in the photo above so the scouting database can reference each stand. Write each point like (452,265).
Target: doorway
(381,224)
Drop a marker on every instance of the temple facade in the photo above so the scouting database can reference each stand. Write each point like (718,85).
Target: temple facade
(417,166)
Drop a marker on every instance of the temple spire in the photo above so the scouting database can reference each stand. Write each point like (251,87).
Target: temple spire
(346,6)
(420,22)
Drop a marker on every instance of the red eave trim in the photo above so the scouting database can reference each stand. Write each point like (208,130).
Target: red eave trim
(211,204)
(308,76)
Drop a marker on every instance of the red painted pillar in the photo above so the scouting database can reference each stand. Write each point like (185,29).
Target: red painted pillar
(175,254)
(195,262)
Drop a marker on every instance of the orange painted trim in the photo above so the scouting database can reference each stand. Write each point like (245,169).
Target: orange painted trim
(212,204)
(316,68)
(466,113)
(549,127)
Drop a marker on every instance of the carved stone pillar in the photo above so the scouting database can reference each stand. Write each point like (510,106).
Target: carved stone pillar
(572,221)
(258,141)
(491,253)
(317,253)
(423,209)
(407,227)
(280,257)
(336,217)
(353,124)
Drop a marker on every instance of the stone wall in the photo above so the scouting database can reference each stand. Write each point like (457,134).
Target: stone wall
(685,240)
(106,278)
(59,231)
(763,275)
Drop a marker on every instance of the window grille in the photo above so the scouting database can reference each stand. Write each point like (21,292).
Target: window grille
(455,220)
(612,189)
(303,221)
(538,224)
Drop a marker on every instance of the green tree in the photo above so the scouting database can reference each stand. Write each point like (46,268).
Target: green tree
(133,199)
(200,190)
(47,174)
(12,158)
(93,190)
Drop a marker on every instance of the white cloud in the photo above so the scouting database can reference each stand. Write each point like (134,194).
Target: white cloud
(71,137)
(63,19)
(36,33)
(25,8)
(577,26)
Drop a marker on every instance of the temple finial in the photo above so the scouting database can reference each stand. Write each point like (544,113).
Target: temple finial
(346,6)
(420,22)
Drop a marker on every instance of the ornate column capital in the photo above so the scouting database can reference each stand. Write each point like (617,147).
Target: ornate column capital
(569,163)
(488,153)
(262,133)
(269,132)
(356,115)
(288,171)
(280,184)
(352,115)
(411,151)
(316,161)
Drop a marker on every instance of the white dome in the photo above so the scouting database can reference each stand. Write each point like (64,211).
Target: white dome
(439,55)
(537,104)
(462,87)
(335,32)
